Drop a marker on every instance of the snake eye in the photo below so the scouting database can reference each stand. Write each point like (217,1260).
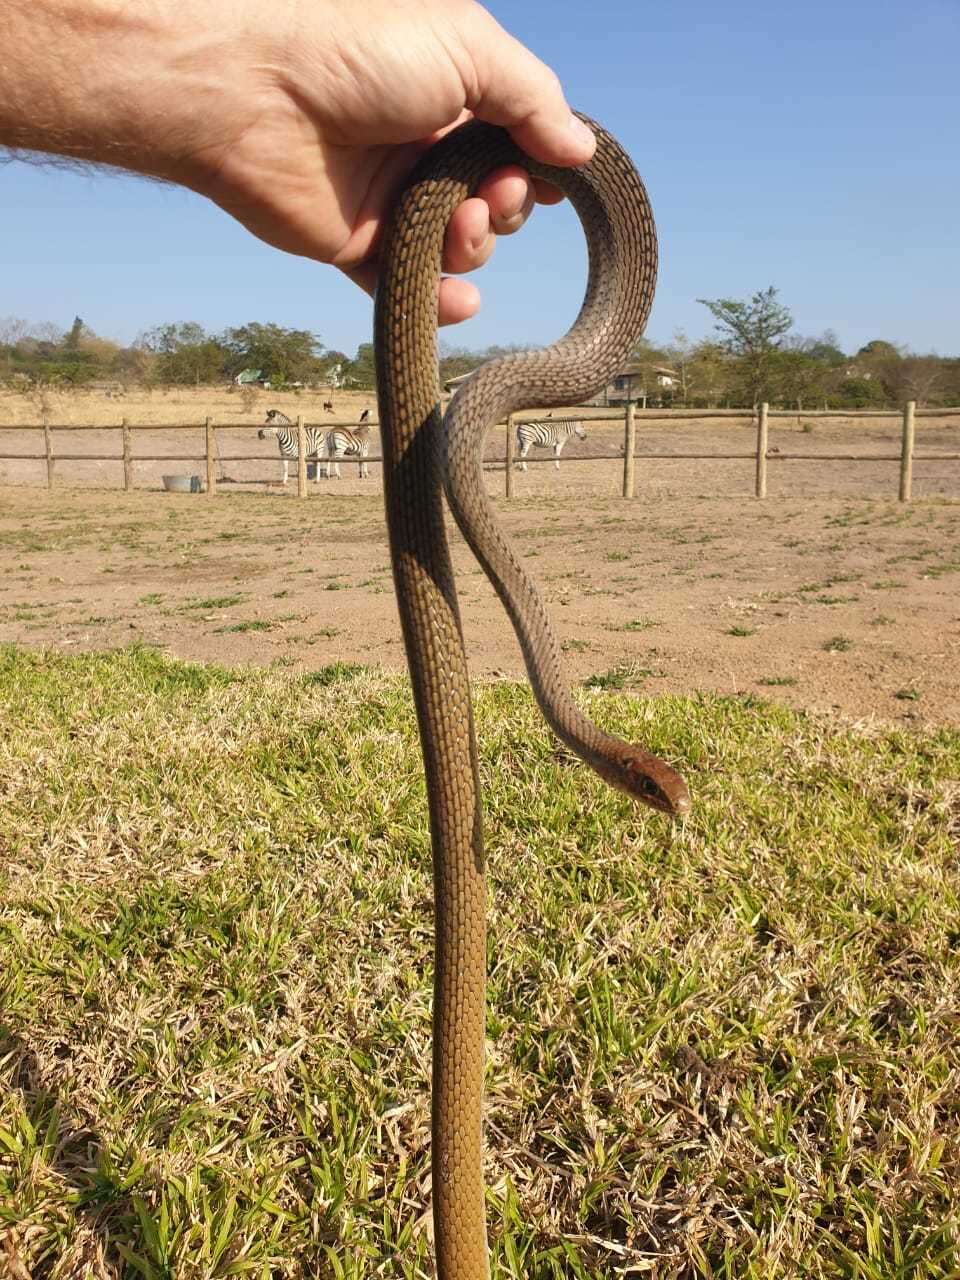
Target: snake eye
(642,784)
(641,777)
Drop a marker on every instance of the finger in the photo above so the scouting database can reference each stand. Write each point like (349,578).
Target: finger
(469,238)
(509,195)
(458,299)
(515,89)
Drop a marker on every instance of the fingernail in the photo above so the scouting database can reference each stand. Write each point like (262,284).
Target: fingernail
(479,243)
(582,132)
(511,222)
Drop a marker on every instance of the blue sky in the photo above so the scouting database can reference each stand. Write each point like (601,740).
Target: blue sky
(811,147)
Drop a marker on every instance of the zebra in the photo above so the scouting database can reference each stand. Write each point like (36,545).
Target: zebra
(344,443)
(550,433)
(279,425)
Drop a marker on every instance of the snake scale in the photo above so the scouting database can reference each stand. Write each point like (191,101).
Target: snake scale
(424,456)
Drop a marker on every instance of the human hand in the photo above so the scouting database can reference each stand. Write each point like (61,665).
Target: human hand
(301,120)
(357,93)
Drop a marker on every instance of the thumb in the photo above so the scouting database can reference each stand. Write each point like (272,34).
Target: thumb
(518,91)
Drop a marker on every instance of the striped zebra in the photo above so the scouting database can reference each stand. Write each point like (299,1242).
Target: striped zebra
(285,431)
(551,433)
(344,443)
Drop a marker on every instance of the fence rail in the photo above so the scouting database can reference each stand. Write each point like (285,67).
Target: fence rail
(760,454)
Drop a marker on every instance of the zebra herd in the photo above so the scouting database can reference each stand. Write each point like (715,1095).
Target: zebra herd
(333,443)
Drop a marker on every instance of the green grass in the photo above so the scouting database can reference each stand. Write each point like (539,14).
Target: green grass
(250,624)
(725,1047)
(214,602)
(622,676)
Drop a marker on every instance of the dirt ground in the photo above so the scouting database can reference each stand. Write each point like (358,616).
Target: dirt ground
(830,595)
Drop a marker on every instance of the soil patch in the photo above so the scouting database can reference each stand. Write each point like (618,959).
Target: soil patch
(831,603)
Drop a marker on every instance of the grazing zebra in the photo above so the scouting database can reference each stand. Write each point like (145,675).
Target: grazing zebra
(551,433)
(279,425)
(344,443)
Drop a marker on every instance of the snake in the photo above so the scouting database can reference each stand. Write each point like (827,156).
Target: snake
(430,459)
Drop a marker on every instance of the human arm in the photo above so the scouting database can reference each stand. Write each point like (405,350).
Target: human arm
(300,119)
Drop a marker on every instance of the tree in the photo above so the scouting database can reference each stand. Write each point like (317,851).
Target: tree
(136,365)
(879,349)
(879,362)
(360,371)
(680,356)
(919,377)
(950,393)
(456,361)
(797,377)
(825,349)
(853,392)
(752,332)
(12,330)
(805,370)
(284,355)
(185,354)
(332,366)
(166,338)
(710,375)
(71,342)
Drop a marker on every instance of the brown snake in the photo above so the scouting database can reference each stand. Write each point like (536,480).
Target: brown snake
(424,455)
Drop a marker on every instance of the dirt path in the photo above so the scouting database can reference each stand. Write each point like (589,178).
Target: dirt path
(825,602)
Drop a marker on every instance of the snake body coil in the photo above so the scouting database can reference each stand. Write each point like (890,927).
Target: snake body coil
(423,455)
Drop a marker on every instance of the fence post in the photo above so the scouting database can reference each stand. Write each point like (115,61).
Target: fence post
(48,448)
(629,445)
(906,451)
(508,451)
(302,458)
(762,438)
(127,456)
(211,467)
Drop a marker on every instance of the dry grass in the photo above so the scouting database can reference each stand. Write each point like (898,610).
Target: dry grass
(723,1048)
(71,407)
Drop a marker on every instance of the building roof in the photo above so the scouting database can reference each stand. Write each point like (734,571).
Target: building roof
(461,377)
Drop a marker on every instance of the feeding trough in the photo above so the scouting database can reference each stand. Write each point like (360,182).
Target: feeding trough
(181,484)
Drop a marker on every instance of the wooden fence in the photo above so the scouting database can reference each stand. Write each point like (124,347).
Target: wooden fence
(760,454)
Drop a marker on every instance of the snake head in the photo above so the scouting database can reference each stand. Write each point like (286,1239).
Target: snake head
(648,779)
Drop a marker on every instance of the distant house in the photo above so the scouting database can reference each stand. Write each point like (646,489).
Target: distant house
(451,384)
(635,382)
(251,378)
(640,383)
